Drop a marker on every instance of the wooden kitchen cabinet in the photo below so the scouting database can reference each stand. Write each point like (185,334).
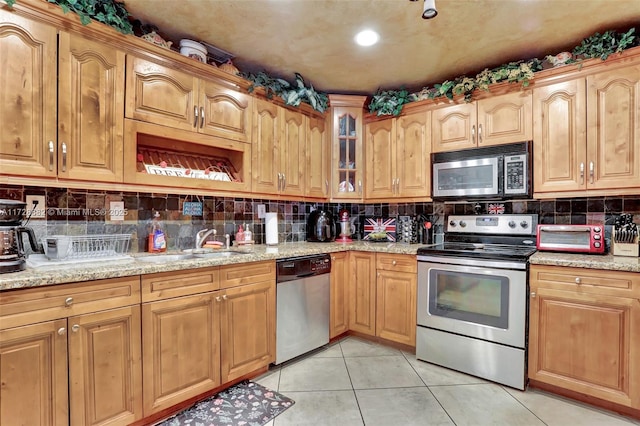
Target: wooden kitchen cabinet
(318,159)
(347,158)
(169,97)
(584,332)
(76,135)
(396,288)
(278,155)
(70,354)
(586,134)
(496,120)
(339,316)
(397,152)
(362,292)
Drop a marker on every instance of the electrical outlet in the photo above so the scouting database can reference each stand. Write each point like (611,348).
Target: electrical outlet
(36,206)
(261,211)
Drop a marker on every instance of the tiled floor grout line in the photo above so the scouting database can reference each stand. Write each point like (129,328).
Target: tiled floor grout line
(355,395)
(521,403)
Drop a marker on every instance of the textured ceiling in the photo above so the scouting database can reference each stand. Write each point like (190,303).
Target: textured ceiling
(315,37)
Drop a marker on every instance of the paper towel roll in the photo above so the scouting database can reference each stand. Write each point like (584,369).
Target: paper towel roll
(271,228)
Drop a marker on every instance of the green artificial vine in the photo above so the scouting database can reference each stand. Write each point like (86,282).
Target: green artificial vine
(389,102)
(603,45)
(291,94)
(110,12)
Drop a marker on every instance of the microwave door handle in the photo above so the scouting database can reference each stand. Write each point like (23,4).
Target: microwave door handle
(557,228)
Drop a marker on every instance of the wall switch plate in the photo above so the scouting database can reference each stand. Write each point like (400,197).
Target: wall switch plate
(36,206)
(116,211)
(261,211)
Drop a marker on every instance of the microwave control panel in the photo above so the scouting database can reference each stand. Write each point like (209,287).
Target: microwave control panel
(515,174)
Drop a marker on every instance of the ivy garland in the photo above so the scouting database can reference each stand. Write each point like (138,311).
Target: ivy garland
(291,94)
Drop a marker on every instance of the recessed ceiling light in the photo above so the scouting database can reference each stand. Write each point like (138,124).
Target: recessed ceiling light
(367,38)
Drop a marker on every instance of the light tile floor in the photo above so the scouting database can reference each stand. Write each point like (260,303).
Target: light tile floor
(356,382)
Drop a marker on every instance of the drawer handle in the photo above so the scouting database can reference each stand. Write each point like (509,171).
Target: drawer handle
(62,331)
(75,328)
(578,280)
(68,301)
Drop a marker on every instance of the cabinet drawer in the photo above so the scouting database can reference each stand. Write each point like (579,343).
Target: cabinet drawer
(247,273)
(166,285)
(29,306)
(617,283)
(397,262)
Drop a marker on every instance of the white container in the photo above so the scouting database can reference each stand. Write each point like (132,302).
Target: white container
(193,49)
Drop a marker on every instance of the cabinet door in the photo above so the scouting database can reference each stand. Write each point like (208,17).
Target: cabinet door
(413,150)
(347,158)
(27,96)
(175,330)
(559,148)
(396,306)
(317,183)
(292,152)
(380,147)
(613,138)
(454,128)
(362,293)
(586,343)
(161,95)
(105,369)
(266,158)
(339,319)
(33,375)
(227,113)
(90,110)
(505,119)
(248,327)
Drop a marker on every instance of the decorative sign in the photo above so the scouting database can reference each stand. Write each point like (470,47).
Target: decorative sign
(380,229)
(192,208)
(187,173)
(496,209)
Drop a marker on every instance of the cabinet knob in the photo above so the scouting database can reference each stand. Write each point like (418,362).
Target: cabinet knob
(224,297)
(68,301)
(75,328)
(533,294)
(217,298)
(394,263)
(62,331)
(578,280)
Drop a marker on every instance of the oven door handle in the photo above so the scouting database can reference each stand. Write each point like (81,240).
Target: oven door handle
(482,263)
(563,228)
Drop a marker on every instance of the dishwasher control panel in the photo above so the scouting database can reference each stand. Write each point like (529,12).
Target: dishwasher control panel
(303,266)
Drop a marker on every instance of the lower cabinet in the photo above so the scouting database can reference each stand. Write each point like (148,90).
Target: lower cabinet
(382,296)
(205,327)
(75,365)
(339,315)
(584,332)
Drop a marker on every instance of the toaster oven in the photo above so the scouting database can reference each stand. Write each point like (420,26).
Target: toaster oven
(571,238)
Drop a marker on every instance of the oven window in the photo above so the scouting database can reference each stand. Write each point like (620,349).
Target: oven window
(477,298)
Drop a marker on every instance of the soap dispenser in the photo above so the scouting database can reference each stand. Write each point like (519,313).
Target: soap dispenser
(157,238)
(240,235)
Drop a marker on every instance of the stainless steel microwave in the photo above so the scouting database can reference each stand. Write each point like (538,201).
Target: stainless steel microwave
(495,172)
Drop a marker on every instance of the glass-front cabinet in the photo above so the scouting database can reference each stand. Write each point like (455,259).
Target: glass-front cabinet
(347,167)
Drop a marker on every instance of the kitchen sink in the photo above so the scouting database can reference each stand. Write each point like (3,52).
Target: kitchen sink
(164,258)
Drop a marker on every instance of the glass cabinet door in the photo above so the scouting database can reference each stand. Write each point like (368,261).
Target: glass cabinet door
(347,168)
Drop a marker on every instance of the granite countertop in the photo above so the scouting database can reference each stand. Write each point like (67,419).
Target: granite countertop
(58,274)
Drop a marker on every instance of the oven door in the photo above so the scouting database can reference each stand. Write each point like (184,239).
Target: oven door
(483,302)
(475,177)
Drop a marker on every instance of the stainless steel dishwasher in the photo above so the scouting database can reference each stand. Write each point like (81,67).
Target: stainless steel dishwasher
(302,305)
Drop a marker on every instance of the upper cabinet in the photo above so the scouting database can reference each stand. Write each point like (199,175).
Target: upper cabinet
(318,159)
(84,142)
(278,150)
(173,98)
(397,151)
(491,121)
(586,134)
(347,165)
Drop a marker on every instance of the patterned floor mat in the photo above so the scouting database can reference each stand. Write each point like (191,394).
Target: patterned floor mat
(245,404)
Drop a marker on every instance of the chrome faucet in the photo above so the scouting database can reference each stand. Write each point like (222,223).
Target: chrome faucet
(227,239)
(202,235)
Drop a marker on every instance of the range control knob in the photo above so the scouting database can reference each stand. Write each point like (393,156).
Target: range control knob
(512,224)
(452,224)
(463,223)
(524,224)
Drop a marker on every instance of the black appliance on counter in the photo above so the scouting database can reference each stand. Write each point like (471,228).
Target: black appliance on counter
(321,226)
(12,253)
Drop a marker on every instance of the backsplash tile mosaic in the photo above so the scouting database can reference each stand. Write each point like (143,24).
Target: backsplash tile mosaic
(78,212)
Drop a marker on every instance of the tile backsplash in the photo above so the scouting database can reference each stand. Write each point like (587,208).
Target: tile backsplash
(79,212)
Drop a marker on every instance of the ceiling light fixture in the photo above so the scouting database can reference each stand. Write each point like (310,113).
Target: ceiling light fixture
(367,38)
(429,11)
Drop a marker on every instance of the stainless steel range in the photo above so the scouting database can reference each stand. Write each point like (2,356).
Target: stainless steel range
(472,297)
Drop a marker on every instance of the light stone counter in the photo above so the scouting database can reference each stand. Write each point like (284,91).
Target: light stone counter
(58,274)
(591,261)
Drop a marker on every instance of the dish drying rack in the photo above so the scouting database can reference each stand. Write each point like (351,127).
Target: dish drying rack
(63,247)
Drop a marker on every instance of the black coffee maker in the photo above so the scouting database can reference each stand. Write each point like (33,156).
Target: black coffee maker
(12,254)
(321,226)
